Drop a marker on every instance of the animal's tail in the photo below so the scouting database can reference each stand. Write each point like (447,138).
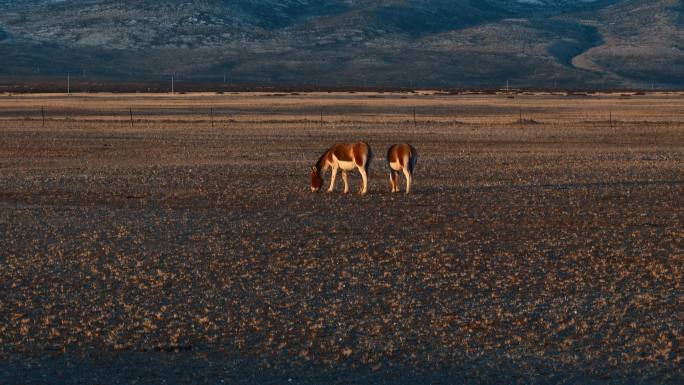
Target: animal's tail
(413,158)
(370,157)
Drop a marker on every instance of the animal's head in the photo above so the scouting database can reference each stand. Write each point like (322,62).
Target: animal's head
(316,180)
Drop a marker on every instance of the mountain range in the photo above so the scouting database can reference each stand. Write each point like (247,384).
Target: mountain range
(382,43)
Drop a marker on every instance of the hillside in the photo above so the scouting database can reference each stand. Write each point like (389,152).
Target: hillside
(542,43)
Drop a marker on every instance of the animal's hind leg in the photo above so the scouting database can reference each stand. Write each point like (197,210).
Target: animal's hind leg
(332,179)
(345,178)
(394,176)
(364,178)
(408,176)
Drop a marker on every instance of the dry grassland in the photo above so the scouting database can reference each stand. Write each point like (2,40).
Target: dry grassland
(160,248)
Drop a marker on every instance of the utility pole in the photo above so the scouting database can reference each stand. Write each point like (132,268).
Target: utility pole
(68,83)
(211,113)
(42,113)
(415,124)
(130,110)
(172,84)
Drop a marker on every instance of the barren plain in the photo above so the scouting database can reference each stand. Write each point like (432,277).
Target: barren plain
(174,239)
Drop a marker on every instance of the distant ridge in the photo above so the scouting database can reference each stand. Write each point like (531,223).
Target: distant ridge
(346,43)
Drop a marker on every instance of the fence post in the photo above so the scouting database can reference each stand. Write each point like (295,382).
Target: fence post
(610,118)
(130,110)
(42,113)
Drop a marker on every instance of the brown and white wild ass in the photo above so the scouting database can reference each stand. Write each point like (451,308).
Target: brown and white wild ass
(401,157)
(345,157)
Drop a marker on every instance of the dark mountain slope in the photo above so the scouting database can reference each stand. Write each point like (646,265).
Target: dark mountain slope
(353,42)
(643,42)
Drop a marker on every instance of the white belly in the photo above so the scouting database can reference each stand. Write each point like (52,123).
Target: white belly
(346,166)
(395,166)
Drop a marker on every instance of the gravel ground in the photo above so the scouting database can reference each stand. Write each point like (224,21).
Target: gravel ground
(178,253)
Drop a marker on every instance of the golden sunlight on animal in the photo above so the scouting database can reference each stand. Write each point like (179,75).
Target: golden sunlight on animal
(344,157)
(401,157)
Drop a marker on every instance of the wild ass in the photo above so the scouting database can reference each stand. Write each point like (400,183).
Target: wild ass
(401,157)
(345,157)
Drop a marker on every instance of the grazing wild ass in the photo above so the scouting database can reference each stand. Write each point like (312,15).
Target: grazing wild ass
(401,157)
(345,157)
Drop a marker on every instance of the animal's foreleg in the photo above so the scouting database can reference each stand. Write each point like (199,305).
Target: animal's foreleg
(332,179)
(345,179)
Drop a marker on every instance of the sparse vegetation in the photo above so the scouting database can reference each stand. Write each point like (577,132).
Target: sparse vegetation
(173,251)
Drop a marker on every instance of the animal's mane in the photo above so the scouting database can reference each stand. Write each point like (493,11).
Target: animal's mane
(321,160)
